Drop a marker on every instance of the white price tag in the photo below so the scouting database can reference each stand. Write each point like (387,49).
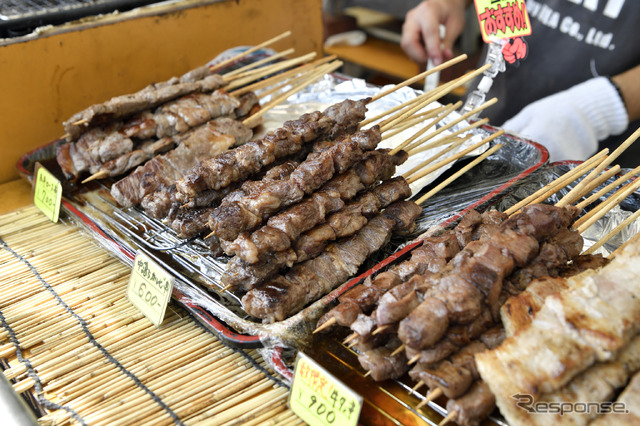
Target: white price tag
(150,288)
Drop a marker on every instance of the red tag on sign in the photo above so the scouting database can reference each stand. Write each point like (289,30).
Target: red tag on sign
(502,19)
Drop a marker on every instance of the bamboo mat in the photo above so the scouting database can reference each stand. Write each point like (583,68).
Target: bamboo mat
(74,343)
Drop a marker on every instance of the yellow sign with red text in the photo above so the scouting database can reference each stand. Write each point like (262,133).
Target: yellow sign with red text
(502,19)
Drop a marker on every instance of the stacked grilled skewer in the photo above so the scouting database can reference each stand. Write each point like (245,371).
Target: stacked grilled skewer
(404,317)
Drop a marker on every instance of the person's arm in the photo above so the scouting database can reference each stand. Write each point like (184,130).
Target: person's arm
(421,29)
(570,123)
(629,84)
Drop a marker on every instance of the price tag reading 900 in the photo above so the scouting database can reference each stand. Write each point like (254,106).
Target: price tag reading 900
(319,398)
(149,288)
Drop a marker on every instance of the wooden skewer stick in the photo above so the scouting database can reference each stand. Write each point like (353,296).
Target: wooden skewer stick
(271,70)
(420,76)
(251,50)
(434,394)
(98,175)
(594,215)
(425,99)
(393,110)
(413,121)
(446,111)
(555,186)
(463,117)
(599,180)
(453,158)
(367,374)
(313,77)
(414,359)
(402,115)
(609,187)
(451,85)
(380,329)
(622,247)
(459,173)
(242,72)
(331,321)
(444,140)
(455,143)
(417,386)
(350,337)
(452,415)
(571,197)
(282,76)
(293,81)
(398,349)
(79,122)
(615,231)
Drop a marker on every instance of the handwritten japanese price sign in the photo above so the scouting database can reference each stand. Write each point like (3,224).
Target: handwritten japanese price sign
(501,19)
(47,193)
(319,398)
(149,288)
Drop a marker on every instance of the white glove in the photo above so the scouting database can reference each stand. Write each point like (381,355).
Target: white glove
(572,122)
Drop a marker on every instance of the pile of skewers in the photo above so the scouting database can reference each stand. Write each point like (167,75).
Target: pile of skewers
(440,314)
(298,210)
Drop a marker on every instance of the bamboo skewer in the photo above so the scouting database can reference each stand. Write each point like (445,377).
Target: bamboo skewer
(443,140)
(444,162)
(283,76)
(245,71)
(622,247)
(459,173)
(450,416)
(570,198)
(615,231)
(250,50)
(310,79)
(413,121)
(265,71)
(594,215)
(331,321)
(421,76)
(399,349)
(608,188)
(437,93)
(403,105)
(446,111)
(599,180)
(555,186)
(431,396)
(460,119)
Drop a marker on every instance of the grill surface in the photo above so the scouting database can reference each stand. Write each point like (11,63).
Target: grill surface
(19,17)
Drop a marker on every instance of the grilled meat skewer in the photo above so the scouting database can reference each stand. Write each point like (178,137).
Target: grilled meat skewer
(247,276)
(278,298)
(238,164)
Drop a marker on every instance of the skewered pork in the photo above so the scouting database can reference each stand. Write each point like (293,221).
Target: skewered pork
(247,276)
(238,164)
(244,214)
(147,98)
(306,281)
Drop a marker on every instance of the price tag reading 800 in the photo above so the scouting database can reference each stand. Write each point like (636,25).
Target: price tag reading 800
(149,288)
(319,398)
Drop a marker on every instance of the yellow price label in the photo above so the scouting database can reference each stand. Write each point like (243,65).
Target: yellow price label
(149,288)
(47,193)
(319,398)
(500,19)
